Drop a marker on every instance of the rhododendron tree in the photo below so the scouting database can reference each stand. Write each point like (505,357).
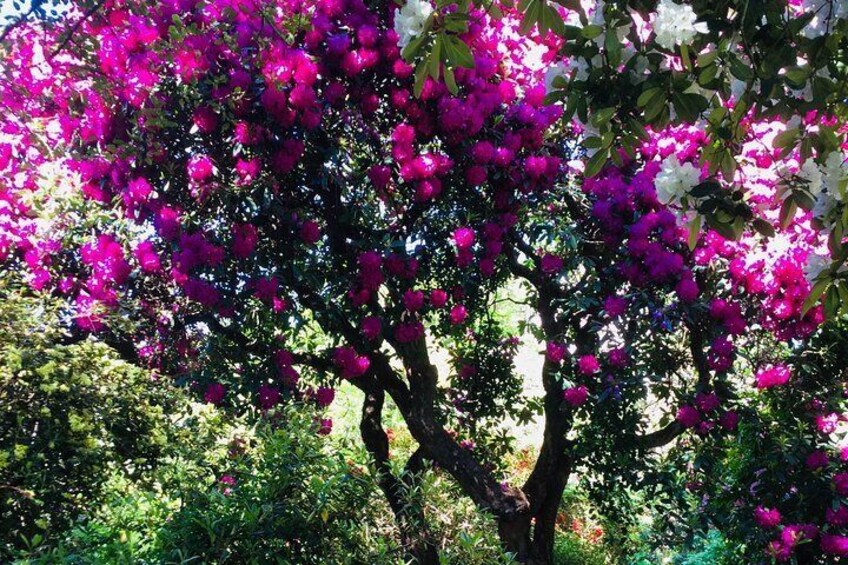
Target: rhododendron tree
(263,200)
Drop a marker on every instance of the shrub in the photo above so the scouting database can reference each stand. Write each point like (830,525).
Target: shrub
(71,414)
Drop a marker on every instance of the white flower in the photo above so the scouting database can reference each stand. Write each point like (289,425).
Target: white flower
(409,20)
(835,175)
(675,24)
(564,69)
(818,26)
(598,20)
(816,264)
(825,204)
(811,173)
(674,180)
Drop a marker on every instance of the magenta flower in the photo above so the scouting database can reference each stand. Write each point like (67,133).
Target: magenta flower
(458,314)
(413,300)
(200,168)
(551,264)
(834,544)
(688,416)
(772,376)
(463,237)
(766,517)
(324,396)
(214,393)
(575,396)
(588,365)
(438,298)
(555,352)
(371,327)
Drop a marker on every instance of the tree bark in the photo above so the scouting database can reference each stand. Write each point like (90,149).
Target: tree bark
(409,513)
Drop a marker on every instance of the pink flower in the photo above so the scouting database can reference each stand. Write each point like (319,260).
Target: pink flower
(837,517)
(834,544)
(371,327)
(575,396)
(706,402)
(729,420)
(555,352)
(310,232)
(200,168)
(413,300)
(618,357)
(458,314)
(779,550)
(147,258)
(772,376)
(324,396)
(268,396)
(463,237)
(214,393)
(766,517)
(816,460)
(325,426)
(438,298)
(615,306)
(795,533)
(688,416)
(352,364)
(588,365)
(205,119)
(840,483)
(245,238)
(687,289)
(407,332)
(826,423)
(551,264)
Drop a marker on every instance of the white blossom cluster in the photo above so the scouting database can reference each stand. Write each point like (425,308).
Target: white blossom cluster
(827,184)
(410,20)
(826,12)
(675,24)
(675,180)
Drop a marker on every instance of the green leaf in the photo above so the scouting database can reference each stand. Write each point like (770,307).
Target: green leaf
(689,105)
(450,81)
(706,188)
(596,163)
(612,46)
(684,56)
(787,212)
(435,60)
(457,22)
(638,129)
(654,108)
(707,59)
(740,70)
(646,96)
(420,78)
(413,47)
(603,116)
(786,138)
(707,75)
(458,52)
(796,77)
(831,302)
(694,231)
(591,31)
(593,143)
(763,227)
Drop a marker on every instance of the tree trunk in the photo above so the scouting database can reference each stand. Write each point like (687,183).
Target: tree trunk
(409,514)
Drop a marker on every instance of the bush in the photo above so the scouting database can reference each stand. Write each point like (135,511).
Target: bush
(571,549)
(71,414)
